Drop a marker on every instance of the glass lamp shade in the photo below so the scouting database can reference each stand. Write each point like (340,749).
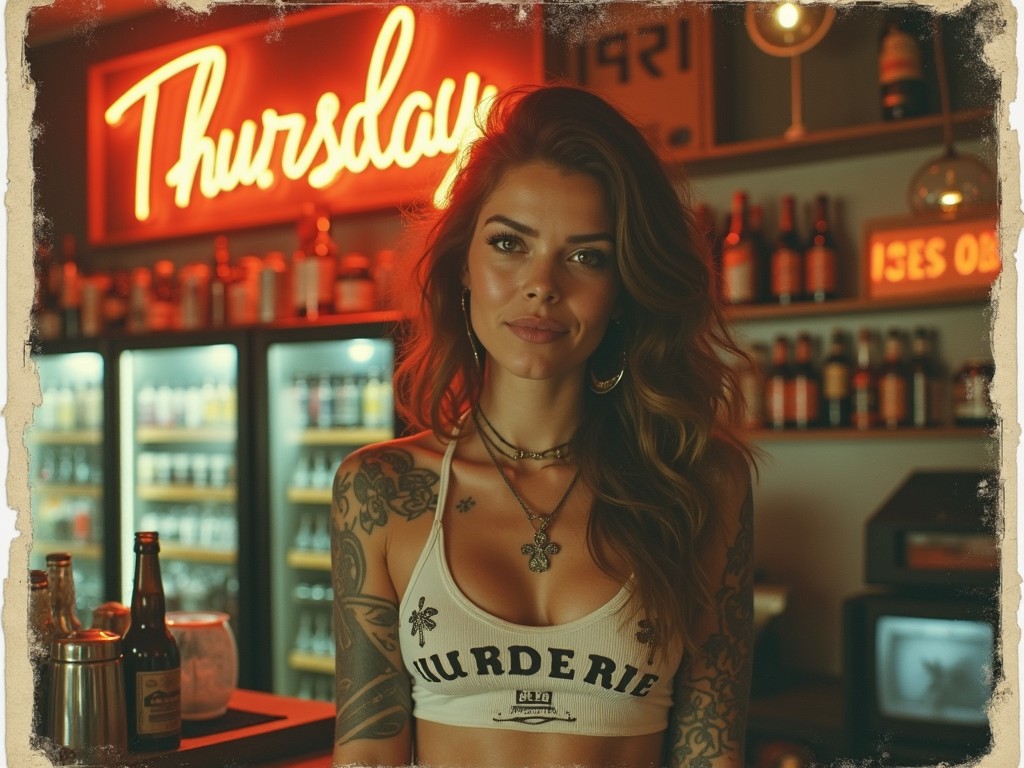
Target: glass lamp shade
(951,183)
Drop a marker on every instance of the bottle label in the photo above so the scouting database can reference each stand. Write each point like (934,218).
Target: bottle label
(785,272)
(806,398)
(821,270)
(158,702)
(892,400)
(738,274)
(900,59)
(835,381)
(353,296)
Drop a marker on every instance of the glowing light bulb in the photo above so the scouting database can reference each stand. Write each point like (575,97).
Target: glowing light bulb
(787,15)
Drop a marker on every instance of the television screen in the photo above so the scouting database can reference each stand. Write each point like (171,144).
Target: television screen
(934,669)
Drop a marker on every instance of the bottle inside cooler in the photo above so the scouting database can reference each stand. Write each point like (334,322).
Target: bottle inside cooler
(326,399)
(66,445)
(179,457)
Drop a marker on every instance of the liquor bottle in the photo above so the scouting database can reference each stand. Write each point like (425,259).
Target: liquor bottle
(62,590)
(48,318)
(893,384)
(762,253)
(325,252)
(835,374)
(117,300)
(924,381)
(972,394)
(750,382)
(41,634)
(863,397)
(739,267)
(900,73)
(821,256)
(353,285)
(220,282)
(163,305)
(778,388)
(71,289)
(152,662)
(786,258)
(806,385)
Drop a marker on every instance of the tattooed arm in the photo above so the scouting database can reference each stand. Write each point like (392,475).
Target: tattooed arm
(372,690)
(708,720)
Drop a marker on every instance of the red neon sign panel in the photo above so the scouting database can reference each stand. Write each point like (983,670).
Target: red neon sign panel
(353,108)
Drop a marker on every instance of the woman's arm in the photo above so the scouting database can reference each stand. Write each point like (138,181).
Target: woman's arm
(708,720)
(372,690)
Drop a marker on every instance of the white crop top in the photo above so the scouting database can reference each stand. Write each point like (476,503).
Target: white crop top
(599,675)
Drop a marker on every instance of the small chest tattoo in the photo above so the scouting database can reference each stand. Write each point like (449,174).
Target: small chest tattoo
(466,504)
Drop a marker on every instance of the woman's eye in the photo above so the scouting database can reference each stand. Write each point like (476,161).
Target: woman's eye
(589,257)
(504,243)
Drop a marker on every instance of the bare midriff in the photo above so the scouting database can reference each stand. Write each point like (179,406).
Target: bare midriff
(448,746)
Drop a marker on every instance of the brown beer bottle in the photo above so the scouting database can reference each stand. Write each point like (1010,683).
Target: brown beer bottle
(806,386)
(894,384)
(864,392)
(778,395)
(821,256)
(152,663)
(62,593)
(787,260)
(739,258)
(40,636)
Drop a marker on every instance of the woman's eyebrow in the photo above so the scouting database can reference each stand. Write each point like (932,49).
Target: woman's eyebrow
(531,232)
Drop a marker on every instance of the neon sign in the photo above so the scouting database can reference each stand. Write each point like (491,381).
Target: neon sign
(920,257)
(234,132)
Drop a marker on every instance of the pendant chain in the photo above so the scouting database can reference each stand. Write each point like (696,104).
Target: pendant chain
(541,549)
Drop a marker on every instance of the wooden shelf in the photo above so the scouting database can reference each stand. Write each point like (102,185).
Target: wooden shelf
(309,560)
(311,662)
(83,549)
(184,435)
(68,437)
(748,312)
(67,489)
(880,433)
(848,141)
(342,436)
(309,495)
(173,551)
(185,493)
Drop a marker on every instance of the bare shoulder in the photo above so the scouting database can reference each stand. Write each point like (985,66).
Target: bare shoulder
(385,481)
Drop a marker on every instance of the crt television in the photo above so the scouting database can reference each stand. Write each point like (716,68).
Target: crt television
(919,671)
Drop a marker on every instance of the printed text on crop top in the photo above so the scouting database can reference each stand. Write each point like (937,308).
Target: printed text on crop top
(599,675)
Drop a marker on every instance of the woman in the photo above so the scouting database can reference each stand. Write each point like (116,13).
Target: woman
(556,571)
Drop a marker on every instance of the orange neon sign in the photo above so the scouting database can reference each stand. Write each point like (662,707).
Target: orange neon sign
(915,257)
(235,130)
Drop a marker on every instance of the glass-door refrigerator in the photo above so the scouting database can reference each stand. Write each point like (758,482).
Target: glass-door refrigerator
(68,481)
(184,470)
(326,391)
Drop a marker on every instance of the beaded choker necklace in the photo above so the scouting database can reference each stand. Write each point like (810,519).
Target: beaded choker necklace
(559,451)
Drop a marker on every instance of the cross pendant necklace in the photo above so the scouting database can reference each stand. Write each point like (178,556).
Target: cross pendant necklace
(541,550)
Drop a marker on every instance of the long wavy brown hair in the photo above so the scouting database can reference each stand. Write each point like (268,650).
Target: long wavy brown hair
(645,448)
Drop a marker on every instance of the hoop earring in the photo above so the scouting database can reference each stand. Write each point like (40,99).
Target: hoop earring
(469,328)
(601,386)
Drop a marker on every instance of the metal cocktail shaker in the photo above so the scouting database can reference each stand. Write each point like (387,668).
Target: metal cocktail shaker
(87,704)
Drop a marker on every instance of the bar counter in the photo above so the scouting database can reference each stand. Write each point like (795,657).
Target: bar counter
(259,729)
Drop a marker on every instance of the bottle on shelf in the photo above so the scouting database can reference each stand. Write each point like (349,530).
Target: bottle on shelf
(739,258)
(750,382)
(806,385)
(893,384)
(762,252)
(924,381)
(786,284)
(778,395)
(117,300)
(62,593)
(220,283)
(71,289)
(348,408)
(354,289)
(152,662)
(901,81)
(48,318)
(836,372)
(42,633)
(864,393)
(163,306)
(821,256)
(138,300)
(972,402)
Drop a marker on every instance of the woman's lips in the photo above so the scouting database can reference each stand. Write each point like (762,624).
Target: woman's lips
(537,330)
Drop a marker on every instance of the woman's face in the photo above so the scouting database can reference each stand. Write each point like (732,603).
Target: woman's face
(542,271)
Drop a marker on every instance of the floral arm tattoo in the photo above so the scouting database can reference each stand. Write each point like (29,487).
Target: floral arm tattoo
(708,721)
(372,689)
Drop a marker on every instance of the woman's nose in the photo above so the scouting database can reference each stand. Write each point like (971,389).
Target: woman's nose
(541,283)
